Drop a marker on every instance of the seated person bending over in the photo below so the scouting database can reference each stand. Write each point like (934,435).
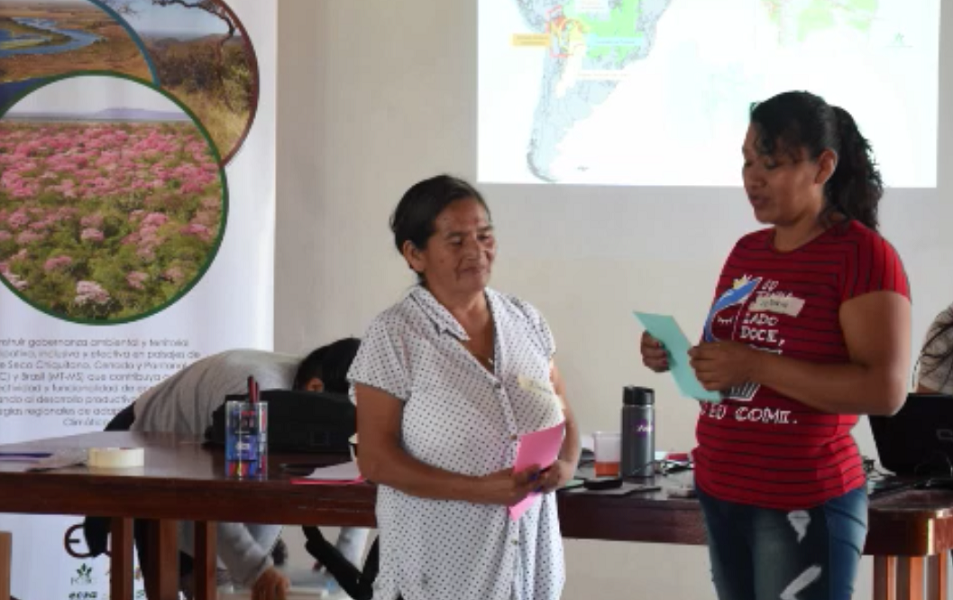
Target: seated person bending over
(935,373)
(184,404)
(936,357)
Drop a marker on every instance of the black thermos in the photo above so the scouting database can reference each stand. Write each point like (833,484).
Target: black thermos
(638,432)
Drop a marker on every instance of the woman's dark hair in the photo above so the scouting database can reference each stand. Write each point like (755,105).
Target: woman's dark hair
(330,364)
(414,218)
(942,358)
(795,120)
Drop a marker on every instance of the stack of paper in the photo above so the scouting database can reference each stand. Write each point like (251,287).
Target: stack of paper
(341,474)
(61,459)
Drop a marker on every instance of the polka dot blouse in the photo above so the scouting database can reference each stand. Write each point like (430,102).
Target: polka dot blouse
(460,417)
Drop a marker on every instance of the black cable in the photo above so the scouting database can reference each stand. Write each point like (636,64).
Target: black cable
(927,462)
(357,584)
(662,467)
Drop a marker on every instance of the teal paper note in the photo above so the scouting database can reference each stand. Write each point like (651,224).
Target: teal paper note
(666,330)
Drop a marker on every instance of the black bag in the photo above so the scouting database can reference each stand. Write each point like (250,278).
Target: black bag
(299,422)
(357,583)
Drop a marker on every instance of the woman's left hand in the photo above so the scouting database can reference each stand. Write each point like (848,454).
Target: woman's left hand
(556,476)
(722,365)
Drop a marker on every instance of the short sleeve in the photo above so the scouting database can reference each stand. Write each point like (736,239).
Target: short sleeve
(381,360)
(935,373)
(539,325)
(873,265)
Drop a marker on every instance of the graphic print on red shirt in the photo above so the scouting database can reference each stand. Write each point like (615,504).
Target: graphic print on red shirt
(760,447)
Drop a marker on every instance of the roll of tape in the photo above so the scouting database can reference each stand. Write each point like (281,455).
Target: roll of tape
(116,458)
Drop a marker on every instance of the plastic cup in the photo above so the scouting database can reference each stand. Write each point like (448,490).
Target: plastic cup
(608,453)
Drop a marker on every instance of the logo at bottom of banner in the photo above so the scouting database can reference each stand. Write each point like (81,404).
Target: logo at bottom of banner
(83,583)
(90,581)
(89,576)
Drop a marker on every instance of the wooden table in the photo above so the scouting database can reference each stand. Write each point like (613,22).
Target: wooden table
(909,534)
(181,481)
(909,531)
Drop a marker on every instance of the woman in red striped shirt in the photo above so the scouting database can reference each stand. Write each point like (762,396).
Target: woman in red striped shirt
(810,328)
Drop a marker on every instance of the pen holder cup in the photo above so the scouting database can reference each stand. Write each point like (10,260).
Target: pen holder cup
(246,439)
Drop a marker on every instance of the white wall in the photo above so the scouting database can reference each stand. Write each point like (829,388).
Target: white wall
(376,95)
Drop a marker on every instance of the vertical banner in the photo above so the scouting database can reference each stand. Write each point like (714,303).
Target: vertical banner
(137,201)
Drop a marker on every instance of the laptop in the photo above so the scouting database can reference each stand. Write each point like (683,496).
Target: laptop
(918,440)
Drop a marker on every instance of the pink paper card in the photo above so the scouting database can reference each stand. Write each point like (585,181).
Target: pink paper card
(536,448)
(306,481)
(341,474)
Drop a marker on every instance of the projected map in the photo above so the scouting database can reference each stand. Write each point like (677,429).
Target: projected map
(656,92)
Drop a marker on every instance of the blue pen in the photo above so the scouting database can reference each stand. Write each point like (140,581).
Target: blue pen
(22,455)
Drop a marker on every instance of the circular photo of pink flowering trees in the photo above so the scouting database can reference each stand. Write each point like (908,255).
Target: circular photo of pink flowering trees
(112,200)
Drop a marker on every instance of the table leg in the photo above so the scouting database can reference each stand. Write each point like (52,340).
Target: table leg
(205,561)
(885,578)
(910,577)
(6,560)
(121,562)
(938,578)
(163,582)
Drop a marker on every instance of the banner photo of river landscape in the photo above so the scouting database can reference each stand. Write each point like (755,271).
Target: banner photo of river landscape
(137,200)
(197,50)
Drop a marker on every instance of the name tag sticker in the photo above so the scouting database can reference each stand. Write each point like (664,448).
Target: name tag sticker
(778,303)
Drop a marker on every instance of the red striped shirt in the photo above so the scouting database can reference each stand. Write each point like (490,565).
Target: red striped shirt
(762,448)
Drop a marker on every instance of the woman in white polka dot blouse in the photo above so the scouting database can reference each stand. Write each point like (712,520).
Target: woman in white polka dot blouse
(445,382)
